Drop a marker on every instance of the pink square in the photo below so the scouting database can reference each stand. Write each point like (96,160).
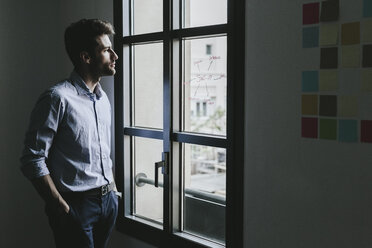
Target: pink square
(310,13)
(309,127)
(366,131)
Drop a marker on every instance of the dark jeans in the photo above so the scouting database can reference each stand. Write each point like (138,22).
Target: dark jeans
(89,222)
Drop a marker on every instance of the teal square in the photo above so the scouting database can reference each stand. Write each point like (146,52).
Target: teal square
(348,130)
(367,8)
(310,37)
(310,81)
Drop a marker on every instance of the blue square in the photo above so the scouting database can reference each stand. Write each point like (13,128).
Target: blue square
(367,8)
(310,37)
(310,81)
(348,130)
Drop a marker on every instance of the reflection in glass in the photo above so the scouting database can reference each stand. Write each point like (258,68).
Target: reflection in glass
(204,191)
(148,85)
(204,12)
(148,201)
(147,16)
(204,86)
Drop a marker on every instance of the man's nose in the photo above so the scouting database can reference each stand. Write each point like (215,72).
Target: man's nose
(114,55)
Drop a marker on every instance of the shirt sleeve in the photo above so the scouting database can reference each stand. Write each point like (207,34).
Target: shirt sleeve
(44,121)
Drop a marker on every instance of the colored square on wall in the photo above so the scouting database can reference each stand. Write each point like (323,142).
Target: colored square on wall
(309,127)
(310,37)
(328,58)
(310,81)
(348,130)
(348,106)
(328,34)
(310,13)
(367,56)
(328,80)
(330,11)
(351,56)
(367,8)
(328,129)
(309,104)
(350,33)
(366,131)
(328,105)
(366,80)
(367,30)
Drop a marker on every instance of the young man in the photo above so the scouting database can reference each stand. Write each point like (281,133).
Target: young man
(67,146)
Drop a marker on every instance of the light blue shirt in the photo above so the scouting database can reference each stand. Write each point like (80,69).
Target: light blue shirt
(69,137)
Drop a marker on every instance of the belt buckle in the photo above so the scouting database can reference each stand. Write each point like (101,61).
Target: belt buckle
(104,189)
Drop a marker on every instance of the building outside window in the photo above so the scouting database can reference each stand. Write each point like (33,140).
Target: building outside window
(208,49)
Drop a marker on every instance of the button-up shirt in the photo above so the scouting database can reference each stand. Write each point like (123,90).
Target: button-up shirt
(69,137)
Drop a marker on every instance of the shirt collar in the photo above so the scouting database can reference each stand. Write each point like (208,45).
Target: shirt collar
(81,86)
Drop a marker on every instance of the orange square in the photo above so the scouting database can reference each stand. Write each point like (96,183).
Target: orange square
(310,104)
(350,33)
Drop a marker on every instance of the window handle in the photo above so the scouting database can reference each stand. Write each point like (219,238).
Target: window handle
(157,166)
(163,165)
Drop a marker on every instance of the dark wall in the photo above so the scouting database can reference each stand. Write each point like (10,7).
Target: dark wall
(32,59)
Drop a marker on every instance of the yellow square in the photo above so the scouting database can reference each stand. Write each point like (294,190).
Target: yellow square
(328,34)
(328,80)
(351,56)
(348,106)
(366,80)
(367,30)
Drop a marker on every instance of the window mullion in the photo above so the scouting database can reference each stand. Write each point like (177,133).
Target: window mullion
(167,110)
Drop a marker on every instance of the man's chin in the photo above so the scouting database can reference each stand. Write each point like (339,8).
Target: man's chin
(110,72)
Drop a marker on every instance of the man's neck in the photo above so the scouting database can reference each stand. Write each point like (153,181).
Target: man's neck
(90,80)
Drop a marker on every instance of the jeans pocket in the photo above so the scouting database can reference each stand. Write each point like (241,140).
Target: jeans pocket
(115,197)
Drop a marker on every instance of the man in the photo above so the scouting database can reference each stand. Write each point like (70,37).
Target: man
(67,145)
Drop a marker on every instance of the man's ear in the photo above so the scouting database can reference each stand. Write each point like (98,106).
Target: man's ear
(85,57)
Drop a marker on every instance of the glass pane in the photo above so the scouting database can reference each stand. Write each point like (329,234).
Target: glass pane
(148,85)
(204,191)
(204,86)
(147,16)
(148,200)
(204,12)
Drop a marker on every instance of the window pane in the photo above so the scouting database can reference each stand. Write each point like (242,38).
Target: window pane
(148,201)
(205,191)
(148,85)
(204,12)
(204,87)
(147,16)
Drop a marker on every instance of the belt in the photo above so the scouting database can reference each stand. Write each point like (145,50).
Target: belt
(103,190)
(100,191)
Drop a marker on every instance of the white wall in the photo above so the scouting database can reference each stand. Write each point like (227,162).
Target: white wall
(298,192)
(33,58)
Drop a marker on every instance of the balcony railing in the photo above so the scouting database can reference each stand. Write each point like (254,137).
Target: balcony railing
(141,180)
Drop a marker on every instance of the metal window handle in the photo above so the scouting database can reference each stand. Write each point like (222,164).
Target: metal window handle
(162,164)
(157,166)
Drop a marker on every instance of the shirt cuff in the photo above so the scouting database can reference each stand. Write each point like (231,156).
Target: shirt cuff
(35,170)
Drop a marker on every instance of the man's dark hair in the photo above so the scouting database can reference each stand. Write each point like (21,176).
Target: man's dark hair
(81,36)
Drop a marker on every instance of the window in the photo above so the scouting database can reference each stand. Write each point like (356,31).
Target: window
(179,151)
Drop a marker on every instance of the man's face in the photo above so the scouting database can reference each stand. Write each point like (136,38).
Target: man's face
(103,61)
